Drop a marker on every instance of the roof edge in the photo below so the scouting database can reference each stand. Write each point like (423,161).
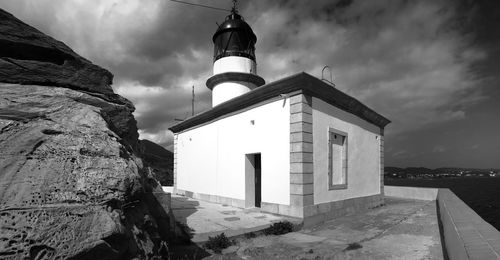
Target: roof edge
(310,85)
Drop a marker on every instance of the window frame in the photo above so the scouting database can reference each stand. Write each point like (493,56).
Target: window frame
(344,161)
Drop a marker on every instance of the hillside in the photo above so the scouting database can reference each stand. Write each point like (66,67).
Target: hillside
(160,160)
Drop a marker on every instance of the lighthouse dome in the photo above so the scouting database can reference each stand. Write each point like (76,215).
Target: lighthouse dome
(234,37)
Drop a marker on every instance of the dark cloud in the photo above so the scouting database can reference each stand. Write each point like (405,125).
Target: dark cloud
(160,73)
(386,53)
(177,29)
(430,66)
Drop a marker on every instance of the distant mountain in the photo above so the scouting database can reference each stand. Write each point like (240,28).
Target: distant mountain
(160,160)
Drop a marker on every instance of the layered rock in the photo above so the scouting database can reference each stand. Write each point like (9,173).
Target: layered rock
(31,57)
(72,183)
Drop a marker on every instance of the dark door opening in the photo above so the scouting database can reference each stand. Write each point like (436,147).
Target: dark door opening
(257,180)
(253,181)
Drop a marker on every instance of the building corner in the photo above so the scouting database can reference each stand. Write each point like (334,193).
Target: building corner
(301,155)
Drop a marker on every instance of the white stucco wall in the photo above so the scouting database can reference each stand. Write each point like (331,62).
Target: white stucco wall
(363,153)
(211,158)
(228,90)
(235,64)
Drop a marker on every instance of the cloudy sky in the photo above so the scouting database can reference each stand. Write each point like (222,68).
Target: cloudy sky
(432,67)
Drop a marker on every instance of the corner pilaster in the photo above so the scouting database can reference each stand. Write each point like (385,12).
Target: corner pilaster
(382,161)
(301,154)
(175,162)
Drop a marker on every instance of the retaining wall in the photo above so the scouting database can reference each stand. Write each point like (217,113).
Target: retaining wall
(411,192)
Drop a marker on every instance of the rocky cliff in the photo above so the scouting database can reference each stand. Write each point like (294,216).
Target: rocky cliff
(72,183)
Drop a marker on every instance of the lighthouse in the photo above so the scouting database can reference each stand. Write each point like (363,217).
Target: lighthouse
(295,147)
(235,66)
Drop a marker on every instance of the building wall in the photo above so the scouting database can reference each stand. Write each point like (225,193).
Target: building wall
(210,159)
(363,153)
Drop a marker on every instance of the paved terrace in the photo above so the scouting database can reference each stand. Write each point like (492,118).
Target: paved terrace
(399,229)
(209,219)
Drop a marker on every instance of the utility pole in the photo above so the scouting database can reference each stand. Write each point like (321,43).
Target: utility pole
(192,104)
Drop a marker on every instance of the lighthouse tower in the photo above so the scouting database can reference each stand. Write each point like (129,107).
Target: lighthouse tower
(235,68)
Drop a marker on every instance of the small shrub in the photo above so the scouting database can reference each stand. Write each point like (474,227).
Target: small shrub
(218,243)
(279,228)
(353,246)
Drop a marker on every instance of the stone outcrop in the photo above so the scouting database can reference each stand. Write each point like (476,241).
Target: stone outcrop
(35,58)
(72,183)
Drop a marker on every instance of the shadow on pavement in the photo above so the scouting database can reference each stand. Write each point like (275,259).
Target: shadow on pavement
(183,248)
(173,228)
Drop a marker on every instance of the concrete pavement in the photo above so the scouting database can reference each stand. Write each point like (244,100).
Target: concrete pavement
(401,229)
(209,219)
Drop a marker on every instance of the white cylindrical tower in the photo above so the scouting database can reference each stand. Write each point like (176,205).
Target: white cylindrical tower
(235,69)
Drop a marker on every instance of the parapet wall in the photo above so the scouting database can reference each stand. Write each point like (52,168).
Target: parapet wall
(466,234)
(411,192)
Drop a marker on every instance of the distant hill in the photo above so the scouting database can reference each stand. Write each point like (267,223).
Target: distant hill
(160,160)
(408,170)
(398,172)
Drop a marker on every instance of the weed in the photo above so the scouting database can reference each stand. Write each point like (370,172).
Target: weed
(378,206)
(279,228)
(353,246)
(218,243)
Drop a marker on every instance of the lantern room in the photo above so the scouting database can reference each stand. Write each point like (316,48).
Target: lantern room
(234,37)
(235,67)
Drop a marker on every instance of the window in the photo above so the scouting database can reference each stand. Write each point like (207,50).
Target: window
(337,159)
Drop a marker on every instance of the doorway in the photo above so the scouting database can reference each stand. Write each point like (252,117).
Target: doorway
(253,180)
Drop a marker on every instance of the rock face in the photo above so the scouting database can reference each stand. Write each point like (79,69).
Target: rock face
(72,183)
(34,58)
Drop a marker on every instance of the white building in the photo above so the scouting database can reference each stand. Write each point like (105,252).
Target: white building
(296,146)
